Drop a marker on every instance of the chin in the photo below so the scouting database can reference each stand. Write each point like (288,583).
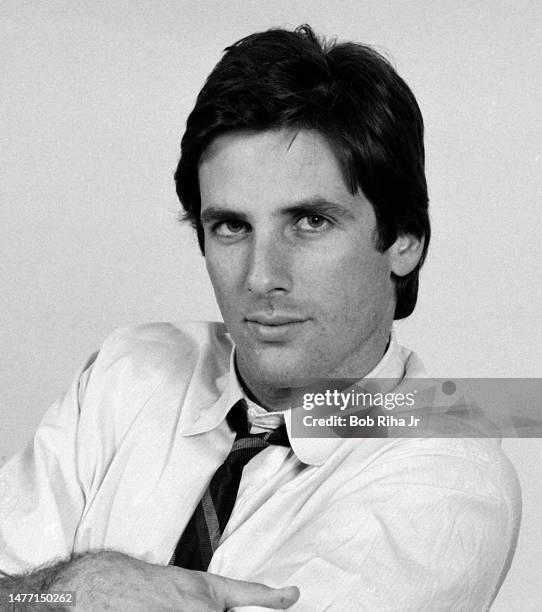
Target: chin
(278,368)
(273,375)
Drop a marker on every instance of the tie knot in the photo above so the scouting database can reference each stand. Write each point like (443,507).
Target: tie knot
(248,445)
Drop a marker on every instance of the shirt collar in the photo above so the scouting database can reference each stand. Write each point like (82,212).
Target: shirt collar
(202,412)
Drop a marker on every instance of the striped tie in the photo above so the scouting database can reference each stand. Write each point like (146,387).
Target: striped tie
(202,535)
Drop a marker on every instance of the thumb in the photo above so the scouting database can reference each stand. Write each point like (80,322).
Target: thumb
(230,593)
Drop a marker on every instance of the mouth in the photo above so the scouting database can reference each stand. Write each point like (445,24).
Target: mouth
(275,328)
(273,320)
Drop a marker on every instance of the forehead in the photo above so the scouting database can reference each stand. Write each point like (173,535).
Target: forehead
(281,165)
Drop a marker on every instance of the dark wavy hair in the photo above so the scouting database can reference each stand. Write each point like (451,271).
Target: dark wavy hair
(346,91)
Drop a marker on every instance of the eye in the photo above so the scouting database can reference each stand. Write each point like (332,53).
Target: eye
(233,227)
(312,223)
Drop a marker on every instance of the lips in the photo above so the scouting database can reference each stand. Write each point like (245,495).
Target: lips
(273,320)
(274,328)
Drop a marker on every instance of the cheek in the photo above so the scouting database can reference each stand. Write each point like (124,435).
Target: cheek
(354,288)
(221,277)
(226,275)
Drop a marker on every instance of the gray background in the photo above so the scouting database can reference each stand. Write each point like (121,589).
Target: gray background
(94,96)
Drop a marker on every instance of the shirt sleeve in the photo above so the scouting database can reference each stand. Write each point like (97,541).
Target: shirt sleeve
(41,499)
(428,531)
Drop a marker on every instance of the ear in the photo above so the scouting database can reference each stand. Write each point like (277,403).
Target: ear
(405,254)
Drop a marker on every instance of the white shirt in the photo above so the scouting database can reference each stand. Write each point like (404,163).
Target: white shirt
(357,524)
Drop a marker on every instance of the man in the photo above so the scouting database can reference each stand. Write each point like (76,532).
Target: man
(302,171)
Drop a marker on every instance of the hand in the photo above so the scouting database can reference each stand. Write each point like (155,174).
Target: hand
(110,580)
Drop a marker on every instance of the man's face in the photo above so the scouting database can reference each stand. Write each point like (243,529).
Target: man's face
(292,259)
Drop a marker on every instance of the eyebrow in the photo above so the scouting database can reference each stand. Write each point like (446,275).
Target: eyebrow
(316,205)
(310,206)
(214,214)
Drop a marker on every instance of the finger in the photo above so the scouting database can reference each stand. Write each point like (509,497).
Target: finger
(230,593)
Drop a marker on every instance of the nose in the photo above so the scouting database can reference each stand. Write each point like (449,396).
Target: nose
(269,266)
